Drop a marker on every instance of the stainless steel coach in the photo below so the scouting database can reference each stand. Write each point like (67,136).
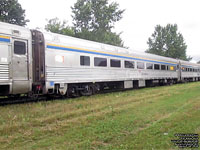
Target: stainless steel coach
(36,62)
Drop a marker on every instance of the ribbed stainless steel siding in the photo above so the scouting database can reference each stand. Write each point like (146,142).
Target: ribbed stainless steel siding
(84,74)
(4,72)
(74,75)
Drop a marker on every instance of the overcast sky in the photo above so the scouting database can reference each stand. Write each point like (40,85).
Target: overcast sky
(138,22)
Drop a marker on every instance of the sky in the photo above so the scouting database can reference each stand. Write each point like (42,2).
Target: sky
(138,22)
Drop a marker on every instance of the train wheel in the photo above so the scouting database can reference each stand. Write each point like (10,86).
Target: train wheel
(32,95)
(87,91)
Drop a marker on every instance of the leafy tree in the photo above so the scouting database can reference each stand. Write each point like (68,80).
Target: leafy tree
(94,20)
(167,41)
(12,12)
(111,38)
(56,26)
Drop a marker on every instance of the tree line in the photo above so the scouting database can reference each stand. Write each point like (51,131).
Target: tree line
(95,20)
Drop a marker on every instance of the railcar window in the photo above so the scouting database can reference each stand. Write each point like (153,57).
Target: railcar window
(85,60)
(163,67)
(19,47)
(129,64)
(167,67)
(149,66)
(156,67)
(172,68)
(140,65)
(190,69)
(184,69)
(101,62)
(175,68)
(115,63)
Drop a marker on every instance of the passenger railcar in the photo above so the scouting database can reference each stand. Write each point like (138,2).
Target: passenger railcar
(34,62)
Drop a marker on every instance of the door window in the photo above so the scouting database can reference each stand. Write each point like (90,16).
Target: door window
(19,48)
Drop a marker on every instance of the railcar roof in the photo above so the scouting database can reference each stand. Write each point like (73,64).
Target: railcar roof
(14,30)
(63,40)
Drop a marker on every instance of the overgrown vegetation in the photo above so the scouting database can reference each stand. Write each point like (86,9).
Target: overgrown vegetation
(136,119)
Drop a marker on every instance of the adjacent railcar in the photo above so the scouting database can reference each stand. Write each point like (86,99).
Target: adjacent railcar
(189,71)
(71,60)
(35,62)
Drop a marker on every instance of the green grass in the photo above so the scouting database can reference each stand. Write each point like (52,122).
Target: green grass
(136,119)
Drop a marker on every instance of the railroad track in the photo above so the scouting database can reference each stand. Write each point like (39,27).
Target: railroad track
(20,100)
(24,99)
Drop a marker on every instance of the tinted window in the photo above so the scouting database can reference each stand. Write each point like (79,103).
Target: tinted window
(129,64)
(85,60)
(102,62)
(167,67)
(140,65)
(149,66)
(115,63)
(156,67)
(163,67)
(19,47)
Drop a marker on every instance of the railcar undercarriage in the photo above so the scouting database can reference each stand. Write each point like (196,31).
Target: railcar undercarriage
(76,90)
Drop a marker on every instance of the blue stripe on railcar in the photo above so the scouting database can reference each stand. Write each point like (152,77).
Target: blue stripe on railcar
(4,40)
(104,54)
